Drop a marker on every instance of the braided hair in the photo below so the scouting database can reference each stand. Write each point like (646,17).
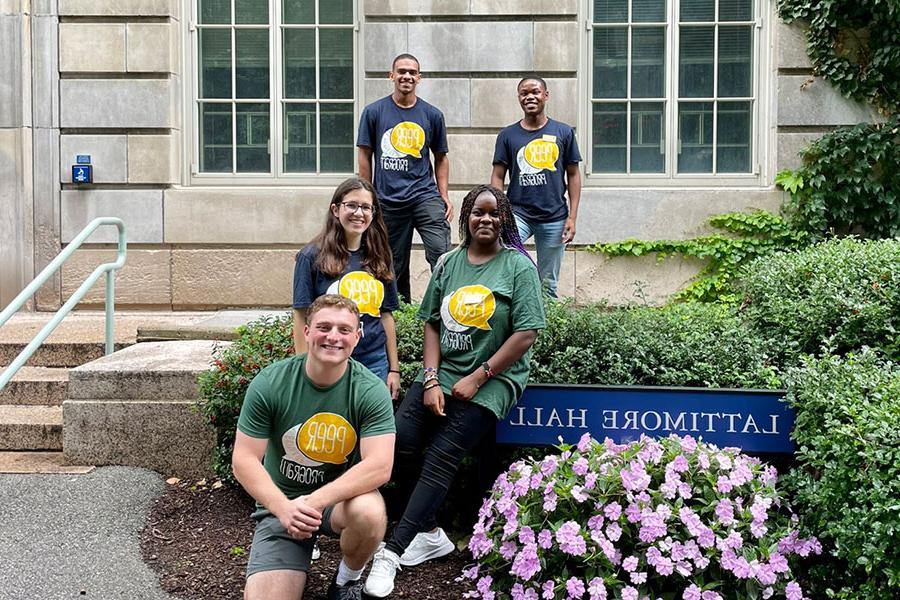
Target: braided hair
(509,233)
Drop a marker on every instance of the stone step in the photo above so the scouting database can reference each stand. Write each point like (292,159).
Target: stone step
(30,427)
(39,462)
(57,354)
(36,386)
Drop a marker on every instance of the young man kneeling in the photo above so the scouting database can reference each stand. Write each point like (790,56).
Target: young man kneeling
(315,439)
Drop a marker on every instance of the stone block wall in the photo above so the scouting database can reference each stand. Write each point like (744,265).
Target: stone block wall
(807,106)
(106,80)
(113,94)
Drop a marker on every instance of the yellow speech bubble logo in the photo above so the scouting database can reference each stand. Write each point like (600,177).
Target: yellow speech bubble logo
(327,438)
(409,138)
(542,154)
(366,291)
(473,306)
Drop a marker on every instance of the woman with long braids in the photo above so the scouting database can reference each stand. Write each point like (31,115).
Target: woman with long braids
(482,311)
(351,257)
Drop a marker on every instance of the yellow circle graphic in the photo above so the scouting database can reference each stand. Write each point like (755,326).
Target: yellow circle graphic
(542,154)
(409,138)
(366,291)
(472,306)
(327,438)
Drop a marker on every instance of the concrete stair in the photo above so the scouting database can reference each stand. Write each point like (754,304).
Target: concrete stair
(30,427)
(57,354)
(36,386)
(31,409)
(31,413)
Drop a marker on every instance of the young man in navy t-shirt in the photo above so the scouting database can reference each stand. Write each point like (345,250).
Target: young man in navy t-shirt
(541,156)
(396,136)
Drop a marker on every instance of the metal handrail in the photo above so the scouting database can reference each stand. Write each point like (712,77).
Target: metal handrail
(29,291)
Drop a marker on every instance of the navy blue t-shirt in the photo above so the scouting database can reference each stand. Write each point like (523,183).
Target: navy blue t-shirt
(401,139)
(372,296)
(536,162)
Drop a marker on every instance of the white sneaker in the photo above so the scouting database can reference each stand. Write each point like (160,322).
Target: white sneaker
(380,582)
(427,546)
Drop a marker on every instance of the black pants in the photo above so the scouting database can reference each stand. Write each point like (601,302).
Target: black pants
(426,217)
(429,450)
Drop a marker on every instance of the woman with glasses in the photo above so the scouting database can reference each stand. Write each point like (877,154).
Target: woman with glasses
(351,257)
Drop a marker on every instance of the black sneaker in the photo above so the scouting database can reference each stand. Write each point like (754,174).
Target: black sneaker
(352,590)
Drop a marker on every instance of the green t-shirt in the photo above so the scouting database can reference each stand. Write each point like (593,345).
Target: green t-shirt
(313,432)
(478,308)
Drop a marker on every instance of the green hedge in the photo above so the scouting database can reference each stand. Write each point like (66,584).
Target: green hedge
(694,344)
(838,296)
(846,487)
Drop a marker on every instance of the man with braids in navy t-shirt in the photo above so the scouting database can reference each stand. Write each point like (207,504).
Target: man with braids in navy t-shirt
(396,136)
(541,156)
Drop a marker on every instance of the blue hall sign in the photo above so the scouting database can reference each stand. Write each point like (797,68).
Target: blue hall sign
(753,420)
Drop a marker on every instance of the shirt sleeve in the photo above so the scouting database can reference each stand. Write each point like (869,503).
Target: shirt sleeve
(573,156)
(501,154)
(304,281)
(391,301)
(366,128)
(378,411)
(439,133)
(430,309)
(527,301)
(255,418)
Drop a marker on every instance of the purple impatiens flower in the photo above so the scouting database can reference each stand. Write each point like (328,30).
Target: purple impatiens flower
(570,540)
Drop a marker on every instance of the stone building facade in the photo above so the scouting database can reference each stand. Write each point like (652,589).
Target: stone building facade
(221,164)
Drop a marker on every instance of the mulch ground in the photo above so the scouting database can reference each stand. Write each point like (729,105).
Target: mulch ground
(198,535)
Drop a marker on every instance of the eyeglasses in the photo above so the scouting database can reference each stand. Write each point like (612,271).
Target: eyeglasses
(367,209)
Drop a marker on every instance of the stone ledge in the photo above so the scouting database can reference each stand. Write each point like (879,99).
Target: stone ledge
(147,371)
(119,8)
(169,437)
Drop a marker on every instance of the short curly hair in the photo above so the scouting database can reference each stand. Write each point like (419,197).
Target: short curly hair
(331,301)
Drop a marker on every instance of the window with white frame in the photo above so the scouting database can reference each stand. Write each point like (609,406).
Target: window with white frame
(674,88)
(273,91)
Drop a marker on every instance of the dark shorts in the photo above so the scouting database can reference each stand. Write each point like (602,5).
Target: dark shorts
(272,548)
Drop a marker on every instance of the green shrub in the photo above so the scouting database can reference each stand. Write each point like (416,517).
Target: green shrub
(702,345)
(841,294)
(409,343)
(222,388)
(847,484)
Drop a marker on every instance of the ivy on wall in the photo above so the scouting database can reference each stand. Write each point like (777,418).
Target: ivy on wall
(746,236)
(854,44)
(849,182)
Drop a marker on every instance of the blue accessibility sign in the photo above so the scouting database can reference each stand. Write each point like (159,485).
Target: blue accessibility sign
(82,174)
